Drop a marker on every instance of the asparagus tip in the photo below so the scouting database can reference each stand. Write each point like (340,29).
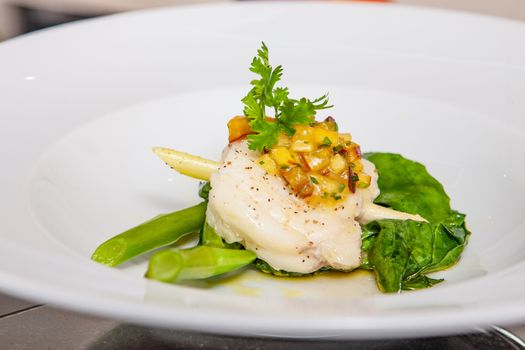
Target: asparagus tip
(111,252)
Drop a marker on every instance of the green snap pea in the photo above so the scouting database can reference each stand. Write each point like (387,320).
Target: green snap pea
(196,263)
(157,232)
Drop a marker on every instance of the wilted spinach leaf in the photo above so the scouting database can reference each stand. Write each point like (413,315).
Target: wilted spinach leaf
(204,190)
(407,186)
(263,266)
(401,253)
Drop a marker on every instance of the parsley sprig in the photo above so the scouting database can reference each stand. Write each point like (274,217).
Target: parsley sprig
(287,111)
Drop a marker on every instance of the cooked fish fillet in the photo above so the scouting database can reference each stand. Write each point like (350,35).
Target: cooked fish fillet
(249,206)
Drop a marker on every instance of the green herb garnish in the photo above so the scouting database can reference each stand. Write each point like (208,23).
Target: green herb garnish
(287,111)
(335,196)
(402,253)
(338,148)
(326,141)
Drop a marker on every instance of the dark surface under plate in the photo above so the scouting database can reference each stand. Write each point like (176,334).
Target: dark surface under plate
(25,325)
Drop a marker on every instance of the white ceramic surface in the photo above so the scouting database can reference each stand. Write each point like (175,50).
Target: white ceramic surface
(82,105)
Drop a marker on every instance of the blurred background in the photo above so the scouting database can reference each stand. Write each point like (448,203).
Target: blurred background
(22,16)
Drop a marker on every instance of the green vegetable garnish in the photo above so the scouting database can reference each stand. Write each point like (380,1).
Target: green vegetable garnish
(210,238)
(263,266)
(157,232)
(338,148)
(326,141)
(287,111)
(196,263)
(402,253)
(204,190)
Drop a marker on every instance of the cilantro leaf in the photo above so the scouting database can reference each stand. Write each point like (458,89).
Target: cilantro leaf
(321,102)
(297,112)
(252,110)
(287,112)
(266,134)
(280,95)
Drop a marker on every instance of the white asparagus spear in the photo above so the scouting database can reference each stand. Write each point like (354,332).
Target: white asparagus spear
(187,164)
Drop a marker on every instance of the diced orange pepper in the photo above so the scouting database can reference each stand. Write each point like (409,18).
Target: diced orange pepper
(237,128)
(354,153)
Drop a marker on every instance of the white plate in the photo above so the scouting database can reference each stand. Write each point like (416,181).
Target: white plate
(444,88)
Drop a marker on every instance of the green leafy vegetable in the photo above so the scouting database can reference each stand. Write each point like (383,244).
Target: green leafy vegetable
(204,190)
(287,111)
(402,252)
(263,266)
(407,186)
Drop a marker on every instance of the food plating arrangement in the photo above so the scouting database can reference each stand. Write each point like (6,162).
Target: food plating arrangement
(295,196)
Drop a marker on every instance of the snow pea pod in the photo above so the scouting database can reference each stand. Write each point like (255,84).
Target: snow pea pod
(157,232)
(196,263)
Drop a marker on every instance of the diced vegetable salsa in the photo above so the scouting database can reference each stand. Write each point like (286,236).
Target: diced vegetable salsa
(318,163)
